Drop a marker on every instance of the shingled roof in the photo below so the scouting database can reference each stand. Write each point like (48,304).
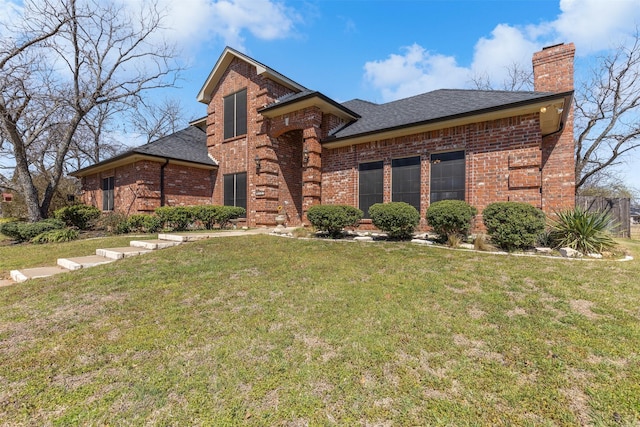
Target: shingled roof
(433,106)
(189,144)
(186,145)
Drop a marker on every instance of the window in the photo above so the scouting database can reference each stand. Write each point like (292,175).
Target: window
(370,185)
(447,176)
(107,193)
(235,114)
(405,181)
(235,190)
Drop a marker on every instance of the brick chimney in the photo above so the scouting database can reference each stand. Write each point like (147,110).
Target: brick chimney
(553,68)
(553,72)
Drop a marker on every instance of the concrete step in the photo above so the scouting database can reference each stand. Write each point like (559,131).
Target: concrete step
(184,237)
(153,244)
(83,262)
(119,253)
(35,273)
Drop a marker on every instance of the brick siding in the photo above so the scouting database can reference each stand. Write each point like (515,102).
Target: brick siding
(137,187)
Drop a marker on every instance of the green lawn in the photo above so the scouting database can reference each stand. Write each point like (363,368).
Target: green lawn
(259,330)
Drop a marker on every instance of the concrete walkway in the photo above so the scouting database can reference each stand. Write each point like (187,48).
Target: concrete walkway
(137,247)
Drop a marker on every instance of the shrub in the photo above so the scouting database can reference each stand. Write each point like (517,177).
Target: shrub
(227,213)
(210,215)
(333,218)
(513,225)
(144,223)
(115,222)
(207,215)
(81,216)
(582,230)
(451,218)
(397,219)
(176,218)
(56,236)
(25,231)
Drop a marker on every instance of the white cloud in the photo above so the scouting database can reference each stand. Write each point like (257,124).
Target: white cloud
(506,46)
(416,71)
(191,22)
(593,25)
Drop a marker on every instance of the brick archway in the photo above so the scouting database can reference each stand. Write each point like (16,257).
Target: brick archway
(300,130)
(288,150)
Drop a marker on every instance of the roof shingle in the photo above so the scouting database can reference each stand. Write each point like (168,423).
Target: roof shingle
(438,104)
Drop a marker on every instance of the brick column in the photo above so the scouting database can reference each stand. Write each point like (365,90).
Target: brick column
(311,171)
(553,72)
(266,182)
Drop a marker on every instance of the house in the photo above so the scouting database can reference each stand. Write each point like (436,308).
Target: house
(273,146)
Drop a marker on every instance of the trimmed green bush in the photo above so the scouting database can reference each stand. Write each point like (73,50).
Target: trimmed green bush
(227,213)
(56,236)
(513,225)
(333,218)
(398,219)
(80,216)
(144,223)
(25,231)
(582,230)
(451,219)
(207,215)
(176,218)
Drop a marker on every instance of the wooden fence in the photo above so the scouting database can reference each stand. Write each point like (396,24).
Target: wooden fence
(618,209)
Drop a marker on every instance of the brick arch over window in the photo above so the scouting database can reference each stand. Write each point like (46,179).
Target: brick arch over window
(307,118)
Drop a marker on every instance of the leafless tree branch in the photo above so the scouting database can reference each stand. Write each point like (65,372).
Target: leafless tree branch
(70,66)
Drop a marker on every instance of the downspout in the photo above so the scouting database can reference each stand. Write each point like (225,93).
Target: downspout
(166,162)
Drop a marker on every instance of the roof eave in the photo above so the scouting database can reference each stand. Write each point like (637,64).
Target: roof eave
(492,113)
(132,157)
(313,99)
(228,54)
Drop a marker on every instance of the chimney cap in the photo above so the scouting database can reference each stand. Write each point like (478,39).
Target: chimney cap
(552,46)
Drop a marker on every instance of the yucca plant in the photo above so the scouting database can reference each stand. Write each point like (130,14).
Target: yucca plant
(582,230)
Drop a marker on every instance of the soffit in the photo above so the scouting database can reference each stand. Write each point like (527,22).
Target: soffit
(223,63)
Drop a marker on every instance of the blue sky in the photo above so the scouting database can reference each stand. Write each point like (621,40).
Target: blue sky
(381,50)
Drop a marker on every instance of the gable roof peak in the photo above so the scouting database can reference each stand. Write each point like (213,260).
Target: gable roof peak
(228,55)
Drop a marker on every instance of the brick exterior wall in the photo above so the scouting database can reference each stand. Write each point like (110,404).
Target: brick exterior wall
(506,159)
(502,161)
(137,187)
(236,155)
(553,72)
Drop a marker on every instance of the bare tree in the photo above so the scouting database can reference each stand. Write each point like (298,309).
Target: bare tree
(517,78)
(97,137)
(62,64)
(155,121)
(607,113)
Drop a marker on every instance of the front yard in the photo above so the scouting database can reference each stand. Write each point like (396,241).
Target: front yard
(260,330)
